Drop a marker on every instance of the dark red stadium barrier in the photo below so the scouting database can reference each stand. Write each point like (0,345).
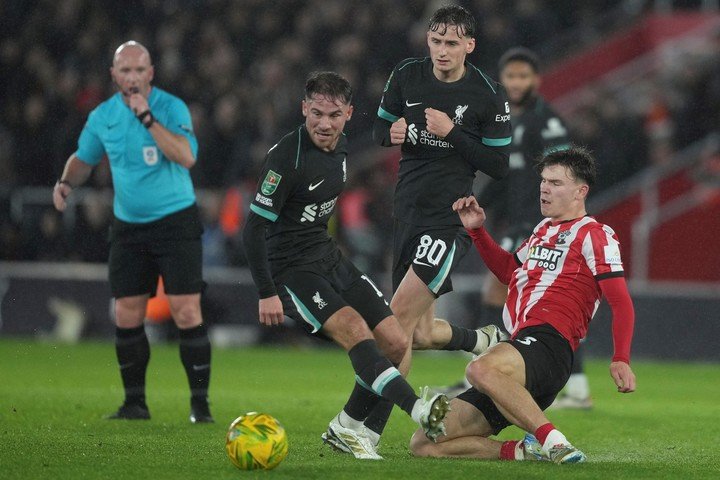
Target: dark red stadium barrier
(619,49)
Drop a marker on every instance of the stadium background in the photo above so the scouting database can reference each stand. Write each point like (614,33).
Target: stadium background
(638,82)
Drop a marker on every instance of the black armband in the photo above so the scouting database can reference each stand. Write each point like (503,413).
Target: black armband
(146,118)
(64,182)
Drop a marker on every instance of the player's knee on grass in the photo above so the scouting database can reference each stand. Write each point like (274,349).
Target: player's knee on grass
(421,446)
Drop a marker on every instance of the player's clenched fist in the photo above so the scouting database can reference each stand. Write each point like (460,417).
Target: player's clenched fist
(438,123)
(138,104)
(398,131)
(60,193)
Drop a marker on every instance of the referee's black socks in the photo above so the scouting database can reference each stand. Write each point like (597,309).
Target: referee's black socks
(133,354)
(195,356)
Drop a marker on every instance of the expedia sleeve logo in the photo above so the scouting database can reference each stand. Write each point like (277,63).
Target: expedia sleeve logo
(543,257)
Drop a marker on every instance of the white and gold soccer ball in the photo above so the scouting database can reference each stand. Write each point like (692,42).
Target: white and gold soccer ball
(256,441)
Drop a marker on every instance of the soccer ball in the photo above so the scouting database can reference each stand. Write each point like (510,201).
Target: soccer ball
(256,441)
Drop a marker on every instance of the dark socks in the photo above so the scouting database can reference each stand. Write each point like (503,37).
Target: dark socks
(378,373)
(462,339)
(195,355)
(133,354)
(361,402)
(379,416)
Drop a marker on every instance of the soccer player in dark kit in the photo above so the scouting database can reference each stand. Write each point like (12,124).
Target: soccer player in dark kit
(450,120)
(300,272)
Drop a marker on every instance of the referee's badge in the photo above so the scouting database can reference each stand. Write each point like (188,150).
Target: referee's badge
(150,155)
(271,182)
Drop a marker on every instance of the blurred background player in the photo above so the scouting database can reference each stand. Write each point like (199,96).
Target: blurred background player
(555,279)
(300,272)
(148,137)
(450,120)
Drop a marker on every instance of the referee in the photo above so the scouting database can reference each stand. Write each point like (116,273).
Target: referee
(147,136)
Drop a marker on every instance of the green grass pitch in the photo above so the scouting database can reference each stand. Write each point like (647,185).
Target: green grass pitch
(53,399)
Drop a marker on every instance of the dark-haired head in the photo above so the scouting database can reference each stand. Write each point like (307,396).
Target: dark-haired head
(331,85)
(520,54)
(453,15)
(326,107)
(578,160)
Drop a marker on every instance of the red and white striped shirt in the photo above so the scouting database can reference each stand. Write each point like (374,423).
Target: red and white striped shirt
(553,277)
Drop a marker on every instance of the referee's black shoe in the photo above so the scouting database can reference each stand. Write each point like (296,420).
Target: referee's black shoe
(130,411)
(200,412)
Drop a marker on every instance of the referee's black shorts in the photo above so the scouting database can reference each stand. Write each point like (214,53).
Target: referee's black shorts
(548,361)
(169,247)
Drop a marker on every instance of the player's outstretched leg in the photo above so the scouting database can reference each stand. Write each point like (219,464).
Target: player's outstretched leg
(557,448)
(376,373)
(347,435)
(488,336)
(393,344)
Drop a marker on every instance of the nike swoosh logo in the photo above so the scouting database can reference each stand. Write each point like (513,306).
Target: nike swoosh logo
(111,126)
(312,187)
(408,104)
(197,368)
(421,263)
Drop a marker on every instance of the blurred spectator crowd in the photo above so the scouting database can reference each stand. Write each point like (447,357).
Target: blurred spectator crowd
(241,66)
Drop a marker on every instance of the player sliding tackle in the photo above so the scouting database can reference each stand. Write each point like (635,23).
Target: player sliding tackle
(555,279)
(300,272)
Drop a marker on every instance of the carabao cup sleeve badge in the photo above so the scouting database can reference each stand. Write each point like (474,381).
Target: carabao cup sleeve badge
(271,182)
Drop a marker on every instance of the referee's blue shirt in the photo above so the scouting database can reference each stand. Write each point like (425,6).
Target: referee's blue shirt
(147,185)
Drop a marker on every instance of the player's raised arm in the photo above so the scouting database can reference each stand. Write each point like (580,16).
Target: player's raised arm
(175,146)
(472,216)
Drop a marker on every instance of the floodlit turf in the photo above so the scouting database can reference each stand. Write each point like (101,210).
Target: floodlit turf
(53,399)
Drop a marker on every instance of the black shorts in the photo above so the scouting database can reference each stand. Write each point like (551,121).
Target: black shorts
(433,253)
(548,361)
(169,247)
(313,293)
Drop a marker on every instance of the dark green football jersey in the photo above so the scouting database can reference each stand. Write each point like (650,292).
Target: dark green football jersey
(433,172)
(297,192)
